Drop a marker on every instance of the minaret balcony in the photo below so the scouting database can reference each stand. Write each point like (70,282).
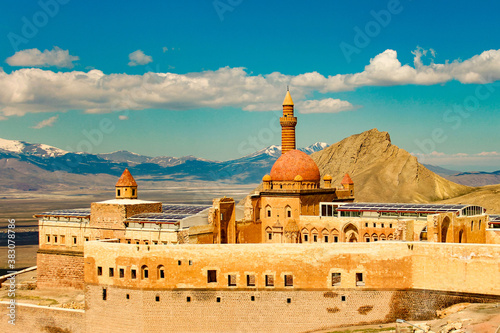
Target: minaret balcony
(288,121)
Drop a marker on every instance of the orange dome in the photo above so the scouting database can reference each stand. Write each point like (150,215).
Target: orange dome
(295,163)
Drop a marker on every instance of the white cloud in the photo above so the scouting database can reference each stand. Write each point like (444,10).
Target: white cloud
(123,117)
(35,58)
(36,90)
(327,105)
(139,58)
(460,159)
(46,123)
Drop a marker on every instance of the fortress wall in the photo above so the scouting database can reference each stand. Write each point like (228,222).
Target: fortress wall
(472,268)
(38,319)
(268,311)
(311,265)
(59,269)
(467,268)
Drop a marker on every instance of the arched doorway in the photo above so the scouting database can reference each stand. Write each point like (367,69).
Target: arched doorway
(350,233)
(462,238)
(445,225)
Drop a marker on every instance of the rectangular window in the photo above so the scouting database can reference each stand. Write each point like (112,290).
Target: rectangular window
(366,225)
(315,238)
(63,239)
(270,236)
(122,273)
(336,239)
(162,273)
(74,240)
(359,279)
(179,262)
(288,280)
(268,213)
(269,280)
(325,238)
(336,278)
(128,296)
(190,263)
(99,270)
(218,299)
(104,294)
(211,276)
(231,280)
(251,280)
(133,274)
(289,213)
(390,225)
(47,238)
(55,239)
(374,225)
(133,191)
(157,298)
(111,272)
(306,238)
(382,225)
(188,299)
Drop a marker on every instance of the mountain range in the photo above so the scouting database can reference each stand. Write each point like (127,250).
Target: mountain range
(381,171)
(21,162)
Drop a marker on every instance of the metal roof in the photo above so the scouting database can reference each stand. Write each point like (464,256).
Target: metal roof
(400,207)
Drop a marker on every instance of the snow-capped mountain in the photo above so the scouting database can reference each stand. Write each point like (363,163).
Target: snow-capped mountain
(26,148)
(247,169)
(314,147)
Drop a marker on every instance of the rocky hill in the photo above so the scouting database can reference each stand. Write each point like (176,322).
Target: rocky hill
(383,172)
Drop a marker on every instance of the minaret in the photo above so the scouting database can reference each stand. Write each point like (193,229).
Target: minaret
(288,122)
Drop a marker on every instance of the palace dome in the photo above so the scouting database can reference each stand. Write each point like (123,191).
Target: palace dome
(295,163)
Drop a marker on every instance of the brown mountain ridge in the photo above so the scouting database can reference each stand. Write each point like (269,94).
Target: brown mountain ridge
(383,172)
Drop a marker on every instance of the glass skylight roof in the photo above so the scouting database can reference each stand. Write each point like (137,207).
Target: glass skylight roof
(80,213)
(400,207)
(172,213)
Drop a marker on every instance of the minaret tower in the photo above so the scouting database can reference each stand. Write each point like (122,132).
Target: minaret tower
(288,122)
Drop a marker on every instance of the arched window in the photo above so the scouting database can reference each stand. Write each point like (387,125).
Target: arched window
(374,237)
(390,237)
(382,237)
(161,272)
(314,235)
(269,234)
(367,238)
(288,211)
(144,272)
(305,236)
(325,235)
(268,211)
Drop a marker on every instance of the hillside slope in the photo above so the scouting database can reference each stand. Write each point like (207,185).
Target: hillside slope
(383,172)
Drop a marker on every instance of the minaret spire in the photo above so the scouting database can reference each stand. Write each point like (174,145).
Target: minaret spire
(288,123)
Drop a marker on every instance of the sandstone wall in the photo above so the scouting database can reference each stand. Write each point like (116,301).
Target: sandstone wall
(42,319)
(132,310)
(59,269)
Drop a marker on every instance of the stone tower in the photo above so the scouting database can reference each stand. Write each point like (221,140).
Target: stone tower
(287,122)
(126,187)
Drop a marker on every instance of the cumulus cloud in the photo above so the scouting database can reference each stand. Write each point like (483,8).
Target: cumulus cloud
(139,58)
(36,90)
(327,105)
(46,123)
(35,58)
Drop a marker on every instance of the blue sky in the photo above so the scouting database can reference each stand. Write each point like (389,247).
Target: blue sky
(207,78)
